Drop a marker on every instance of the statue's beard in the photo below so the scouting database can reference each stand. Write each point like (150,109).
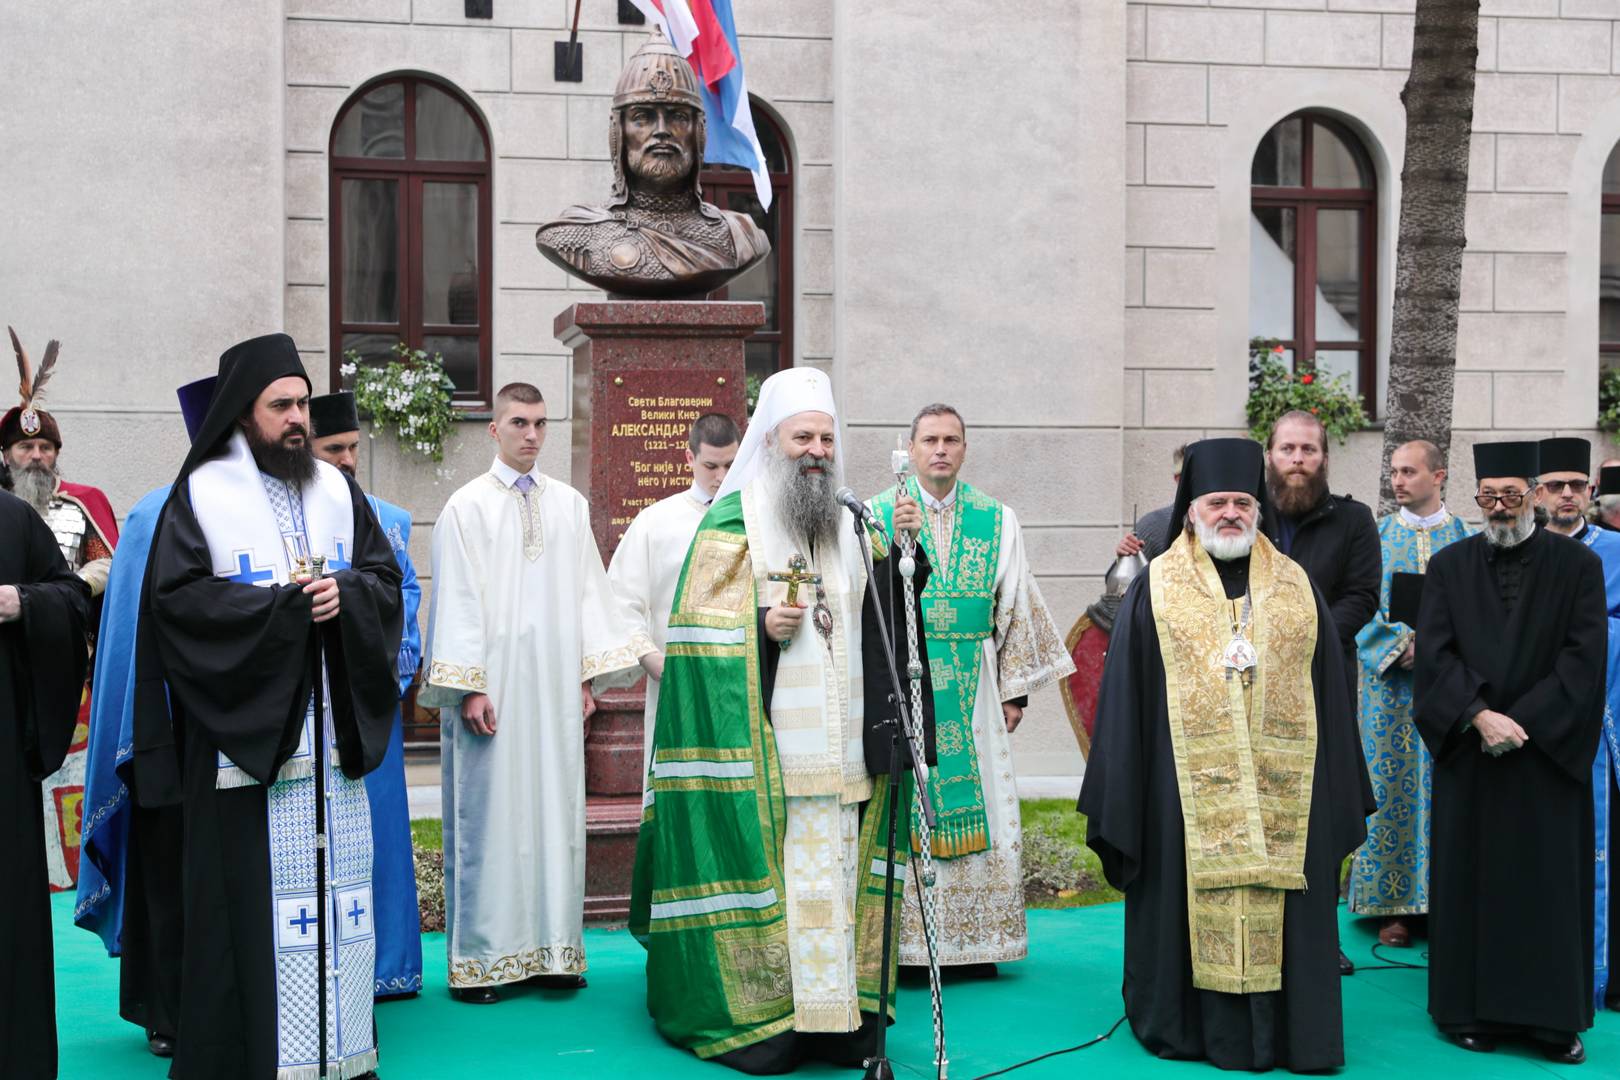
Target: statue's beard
(804,499)
(1224,546)
(34,485)
(291,464)
(1505,529)
(1293,494)
(660,172)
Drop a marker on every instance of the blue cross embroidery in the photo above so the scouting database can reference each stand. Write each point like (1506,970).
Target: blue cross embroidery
(304,921)
(247,573)
(356,911)
(340,561)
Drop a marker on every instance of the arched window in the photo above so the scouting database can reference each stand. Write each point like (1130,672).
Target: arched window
(770,349)
(1609,265)
(1313,244)
(411,250)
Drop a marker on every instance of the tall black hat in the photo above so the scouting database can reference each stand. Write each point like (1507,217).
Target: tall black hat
(333,414)
(1498,459)
(1218,465)
(1565,454)
(245,369)
(1609,480)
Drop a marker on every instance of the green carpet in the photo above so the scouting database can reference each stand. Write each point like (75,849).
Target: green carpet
(1066,993)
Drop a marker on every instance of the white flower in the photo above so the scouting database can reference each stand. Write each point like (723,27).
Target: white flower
(347,368)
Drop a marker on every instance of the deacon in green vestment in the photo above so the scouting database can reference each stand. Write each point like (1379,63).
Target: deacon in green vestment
(760,867)
(991,642)
(1390,875)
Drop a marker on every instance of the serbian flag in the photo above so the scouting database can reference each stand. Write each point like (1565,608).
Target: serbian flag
(704,32)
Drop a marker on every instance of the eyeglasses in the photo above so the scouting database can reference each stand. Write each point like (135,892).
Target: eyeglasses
(1556,487)
(1510,499)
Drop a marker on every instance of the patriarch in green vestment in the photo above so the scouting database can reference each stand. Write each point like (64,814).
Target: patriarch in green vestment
(761,861)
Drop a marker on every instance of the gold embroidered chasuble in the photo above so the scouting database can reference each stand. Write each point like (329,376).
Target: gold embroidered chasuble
(1245,754)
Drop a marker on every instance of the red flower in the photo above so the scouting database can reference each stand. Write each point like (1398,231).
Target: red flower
(1277,349)
(1313,410)
(1307,378)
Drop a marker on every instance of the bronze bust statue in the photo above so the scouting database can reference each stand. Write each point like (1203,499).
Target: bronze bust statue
(656,237)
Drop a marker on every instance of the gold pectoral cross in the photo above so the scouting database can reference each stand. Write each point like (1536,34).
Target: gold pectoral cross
(797,573)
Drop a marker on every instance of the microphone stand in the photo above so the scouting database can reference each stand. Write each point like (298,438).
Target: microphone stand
(905,736)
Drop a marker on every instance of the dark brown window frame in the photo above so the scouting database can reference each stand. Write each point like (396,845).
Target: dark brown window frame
(412,174)
(718,182)
(1608,351)
(1306,201)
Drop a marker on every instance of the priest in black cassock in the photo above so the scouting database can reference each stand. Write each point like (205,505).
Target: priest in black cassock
(1509,683)
(232,628)
(44,607)
(1227,758)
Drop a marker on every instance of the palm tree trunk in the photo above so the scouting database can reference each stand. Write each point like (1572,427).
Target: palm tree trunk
(1439,100)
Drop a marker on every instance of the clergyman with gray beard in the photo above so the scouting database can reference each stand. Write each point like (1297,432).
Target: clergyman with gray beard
(1512,654)
(1223,632)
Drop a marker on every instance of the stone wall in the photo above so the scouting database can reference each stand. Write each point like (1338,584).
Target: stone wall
(142,231)
(1207,81)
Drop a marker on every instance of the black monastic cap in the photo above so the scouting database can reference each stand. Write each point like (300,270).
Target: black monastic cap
(1497,459)
(1218,465)
(333,414)
(245,369)
(1565,454)
(1609,480)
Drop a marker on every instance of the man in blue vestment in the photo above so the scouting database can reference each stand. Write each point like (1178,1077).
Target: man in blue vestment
(1564,492)
(129,874)
(336,440)
(1390,875)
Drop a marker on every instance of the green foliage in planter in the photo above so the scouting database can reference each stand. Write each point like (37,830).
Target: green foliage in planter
(410,395)
(1609,399)
(429,863)
(1275,390)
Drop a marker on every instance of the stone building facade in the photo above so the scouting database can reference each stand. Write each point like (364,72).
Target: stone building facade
(1041,212)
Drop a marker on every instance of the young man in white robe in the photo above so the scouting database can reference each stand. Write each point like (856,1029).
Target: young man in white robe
(648,561)
(523,618)
(992,643)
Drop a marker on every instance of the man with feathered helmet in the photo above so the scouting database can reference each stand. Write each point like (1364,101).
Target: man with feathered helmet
(86,531)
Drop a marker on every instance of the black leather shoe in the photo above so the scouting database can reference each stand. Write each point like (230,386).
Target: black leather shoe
(1573,1054)
(475,995)
(559,982)
(1479,1044)
(1346,966)
(159,1044)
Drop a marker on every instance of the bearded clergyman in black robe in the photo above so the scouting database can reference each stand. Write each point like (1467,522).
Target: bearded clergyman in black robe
(1512,655)
(235,620)
(1226,785)
(44,608)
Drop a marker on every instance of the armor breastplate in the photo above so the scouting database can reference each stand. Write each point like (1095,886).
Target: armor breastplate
(67,522)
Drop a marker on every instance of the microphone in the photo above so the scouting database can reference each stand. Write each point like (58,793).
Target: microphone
(853,504)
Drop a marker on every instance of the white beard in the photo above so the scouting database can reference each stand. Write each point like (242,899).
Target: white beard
(1222,546)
